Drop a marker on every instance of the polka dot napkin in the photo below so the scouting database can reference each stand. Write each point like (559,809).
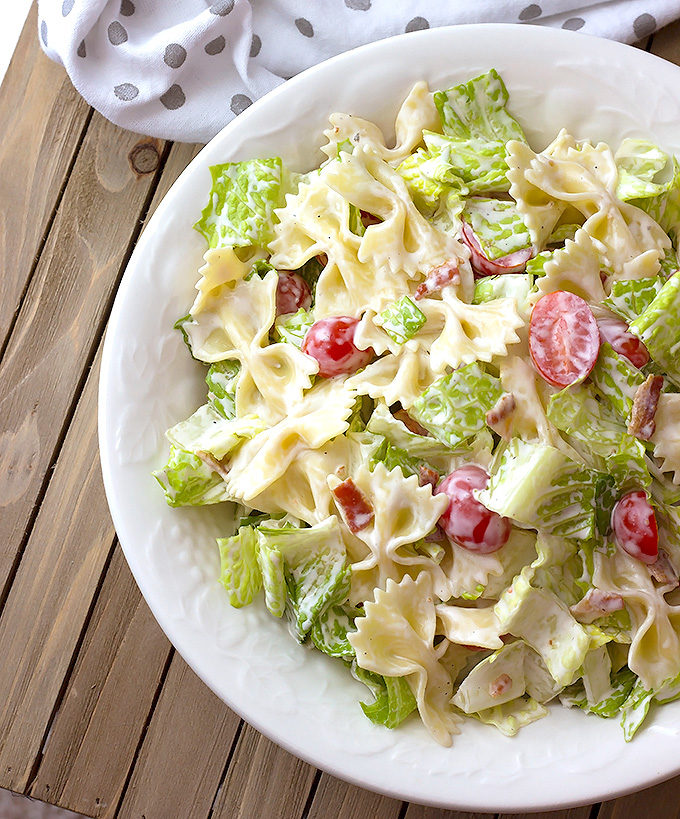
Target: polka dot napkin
(181,69)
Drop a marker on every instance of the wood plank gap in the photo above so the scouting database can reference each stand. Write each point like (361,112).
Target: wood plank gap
(142,736)
(4,343)
(404,808)
(230,756)
(89,361)
(69,671)
(595,809)
(311,795)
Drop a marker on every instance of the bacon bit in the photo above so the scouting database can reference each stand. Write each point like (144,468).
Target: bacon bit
(438,278)
(322,259)
(663,572)
(214,464)
(472,648)
(410,423)
(596,603)
(356,509)
(436,535)
(499,414)
(500,685)
(428,476)
(641,423)
(369,219)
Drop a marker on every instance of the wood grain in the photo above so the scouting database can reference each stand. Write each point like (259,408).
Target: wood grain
(61,321)
(263,780)
(571,813)
(38,143)
(186,747)
(659,802)
(341,800)
(421,812)
(666,43)
(109,697)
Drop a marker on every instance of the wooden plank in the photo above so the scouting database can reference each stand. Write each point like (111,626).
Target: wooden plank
(100,722)
(42,120)
(573,813)
(183,755)
(341,800)
(662,801)
(421,812)
(62,318)
(51,595)
(666,43)
(263,780)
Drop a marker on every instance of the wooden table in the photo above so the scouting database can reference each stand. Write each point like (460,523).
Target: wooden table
(98,713)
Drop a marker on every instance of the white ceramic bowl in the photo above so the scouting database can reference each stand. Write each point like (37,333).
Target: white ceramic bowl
(302,700)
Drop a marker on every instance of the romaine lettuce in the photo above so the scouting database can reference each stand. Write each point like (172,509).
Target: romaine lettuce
(394,700)
(659,328)
(222,379)
(498,226)
(292,328)
(188,481)
(401,320)
(240,571)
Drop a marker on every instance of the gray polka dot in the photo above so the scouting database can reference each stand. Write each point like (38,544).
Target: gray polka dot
(644,25)
(304,27)
(574,23)
(530,12)
(175,55)
(127,8)
(117,33)
(173,98)
(358,5)
(215,46)
(126,91)
(417,24)
(255,46)
(239,103)
(81,49)
(43,33)
(67,7)
(222,7)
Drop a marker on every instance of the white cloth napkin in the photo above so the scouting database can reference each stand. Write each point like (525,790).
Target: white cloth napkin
(181,69)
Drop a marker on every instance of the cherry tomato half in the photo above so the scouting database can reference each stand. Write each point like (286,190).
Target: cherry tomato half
(331,342)
(292,293)
(467,521)
(563,338)
(634,526)
(616,333)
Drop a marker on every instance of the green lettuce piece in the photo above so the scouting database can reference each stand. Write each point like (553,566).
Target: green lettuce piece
(401,320)
(447,216)
(629,298)
(292,328)
(179,325)
(498,226)
(606,497)
(272,570)
(665,208)
(511,716)
(669,264)
(188,481)
(629,465)
(509,285)
(260,268)
(474,692)
(561,233)
(576,411)
(475,594)
(240,209)
(392,456)
(621,685)
(476,127)
(222,379)
(315,569)
(616,380)
(356,224)
(635,708)
(361,412)
(329,631)
(540,487)
(393,702)
(425,191)
(536,266)
(454,408)
(239,568)
(310,272)
(641,166)
(207,430)
(659,328)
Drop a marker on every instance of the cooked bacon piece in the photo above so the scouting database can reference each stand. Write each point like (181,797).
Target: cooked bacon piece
(596,603)
(427,476)
(436,535)
(438,278)
(409,423)
(498,416)
(356,509)
(322,259)
(369,219)
(214,464)
(641,423)
(500,685)
(663,572)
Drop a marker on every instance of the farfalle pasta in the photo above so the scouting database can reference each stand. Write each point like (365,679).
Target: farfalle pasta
(443,389)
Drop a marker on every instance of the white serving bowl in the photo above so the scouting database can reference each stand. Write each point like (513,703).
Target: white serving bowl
(301,699)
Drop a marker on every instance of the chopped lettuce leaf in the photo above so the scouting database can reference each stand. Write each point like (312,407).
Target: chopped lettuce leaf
(634,710)
(665,208)
(179,325)
(208,431)
(401,320)
(420,172)
(511,716)
(630,297)
(454,407)
(271,565)
(240,210)
(260,268)
(240,571)
(621,685)
(222,379)
(356,224)
(642,167)
(479,690)
(310,272)
(659,328)
(392,456)
(669,264)
(575,410)
(188,481)
(536,266)
(394,700)
(498,226)
(329,631)
(561,233)
(616,380)
(292,327)
(509,285)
